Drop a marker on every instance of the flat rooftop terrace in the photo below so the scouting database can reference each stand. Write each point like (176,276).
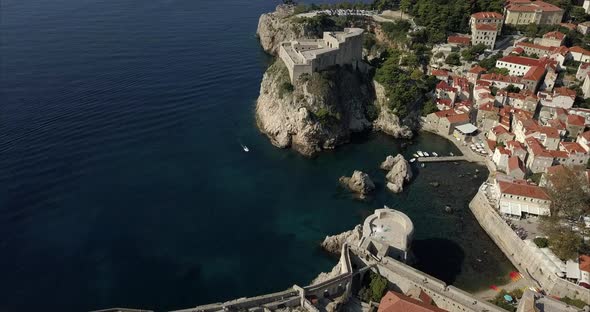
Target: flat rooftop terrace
(389,226)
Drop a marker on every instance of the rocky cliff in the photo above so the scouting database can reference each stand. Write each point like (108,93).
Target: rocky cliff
(281,25)
(333,244)
(319,112)
(322,110)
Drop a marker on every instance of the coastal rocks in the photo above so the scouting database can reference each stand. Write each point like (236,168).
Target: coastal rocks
(387,122)
(281,25)
(324,276)
(318,113)
(399,172)
(359,183)
(333,244)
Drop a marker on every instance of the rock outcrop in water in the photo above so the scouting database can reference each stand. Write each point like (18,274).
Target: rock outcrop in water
(333,244)
(359,183)
(322,110)
(399,172)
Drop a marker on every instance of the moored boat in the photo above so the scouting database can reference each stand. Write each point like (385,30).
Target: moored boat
(426,154)
(420,153)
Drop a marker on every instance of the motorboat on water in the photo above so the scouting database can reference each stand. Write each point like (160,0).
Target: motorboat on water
(415,156)
(422,165)
(426,154)
(420,153)
(412,160)
(434,154)
(245,148)
(451,153)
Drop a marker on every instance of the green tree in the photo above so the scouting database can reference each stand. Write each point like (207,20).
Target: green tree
(374,287)
(453,59)
(511,88)
(404,5)
(429,107)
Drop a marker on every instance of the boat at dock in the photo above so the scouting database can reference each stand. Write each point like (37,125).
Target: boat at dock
(426,154)
(420,153)
(415,155)
(434,154)
(412,160)
(245,148)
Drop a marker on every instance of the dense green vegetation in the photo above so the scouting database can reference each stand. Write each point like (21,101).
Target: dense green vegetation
(285,88)
(373,287)
(453,59)
(565,226)
(490,62)
(501,302)
(541,242)
(472,52)
(397,31)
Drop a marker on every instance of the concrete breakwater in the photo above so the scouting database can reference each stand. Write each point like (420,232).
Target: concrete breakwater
(521,255)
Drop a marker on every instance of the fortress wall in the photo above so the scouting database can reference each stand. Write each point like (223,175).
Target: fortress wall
(522,256)
(405,277)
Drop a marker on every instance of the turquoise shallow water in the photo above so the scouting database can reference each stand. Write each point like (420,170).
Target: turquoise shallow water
(122,180)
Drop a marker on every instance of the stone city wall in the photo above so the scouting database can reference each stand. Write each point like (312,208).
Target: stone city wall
(405,278)
(522,256)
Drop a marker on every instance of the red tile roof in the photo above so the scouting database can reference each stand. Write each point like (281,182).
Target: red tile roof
(499,130)
(477,69)
(573,148)
(531,6)
(521,188)
(513,145)
(464,40)
(520,60)
(581,50)
(487,107)
(535,73)
(585,135)
(564,91)
(585,263)
(554,35)
(515,163)
(487,15)
(458,118)
(502,78)
(443,85)
(536,46)
(440,72)
(559,154)
(396,302)
(576,120)
(518,50)
(549,132)
(570,26)
(536,148)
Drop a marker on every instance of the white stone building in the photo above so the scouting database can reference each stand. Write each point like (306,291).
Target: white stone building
(485,27)
(388,233)
(517,197)
(305,56)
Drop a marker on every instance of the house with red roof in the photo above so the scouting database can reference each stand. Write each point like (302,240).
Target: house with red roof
(441,74)
(474,73)
(501,81)
(519,198)
(397,302)
(459,41)
(561,97)
(551,39)
(447,124)
(444,91)
(532,12)
(584,140)
(576,154)
(525,100)
(517,149)
(500,134)
(515,168)
(485,27)
(580,54)
(517,65)
(500,157)
(487,116)
(539,158)
(463,87)
(575,124)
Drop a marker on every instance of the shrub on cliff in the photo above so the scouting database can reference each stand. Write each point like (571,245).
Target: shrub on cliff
(285,88)
(541,242)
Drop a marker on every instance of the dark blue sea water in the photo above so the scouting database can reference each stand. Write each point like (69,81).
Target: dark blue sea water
(122,179)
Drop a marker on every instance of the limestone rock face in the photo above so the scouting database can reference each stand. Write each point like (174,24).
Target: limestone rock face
(319,112)
(399,172)
(333,244)
(279,26)
(359,183)
(387,122)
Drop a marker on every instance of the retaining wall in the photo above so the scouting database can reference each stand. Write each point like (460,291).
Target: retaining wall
(521,255)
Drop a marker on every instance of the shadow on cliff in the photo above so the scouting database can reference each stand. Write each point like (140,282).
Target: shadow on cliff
(441,258)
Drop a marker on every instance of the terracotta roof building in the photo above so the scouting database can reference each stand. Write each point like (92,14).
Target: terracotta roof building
(532,12)
(396,302)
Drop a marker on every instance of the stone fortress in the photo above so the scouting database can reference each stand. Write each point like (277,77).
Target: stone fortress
(305,56)
(388,233)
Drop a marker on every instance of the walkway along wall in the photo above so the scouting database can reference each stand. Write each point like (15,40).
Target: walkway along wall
(521,255)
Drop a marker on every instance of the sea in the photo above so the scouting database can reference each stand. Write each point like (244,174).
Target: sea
(123,182)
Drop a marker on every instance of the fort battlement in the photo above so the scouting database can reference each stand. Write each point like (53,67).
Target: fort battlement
(305,56)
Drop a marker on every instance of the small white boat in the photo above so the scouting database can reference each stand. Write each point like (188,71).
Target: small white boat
(420,153)
(245,148)
(426,154)
(422,165)
(412,160)
(415,156)
(434,154)
(451,153)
